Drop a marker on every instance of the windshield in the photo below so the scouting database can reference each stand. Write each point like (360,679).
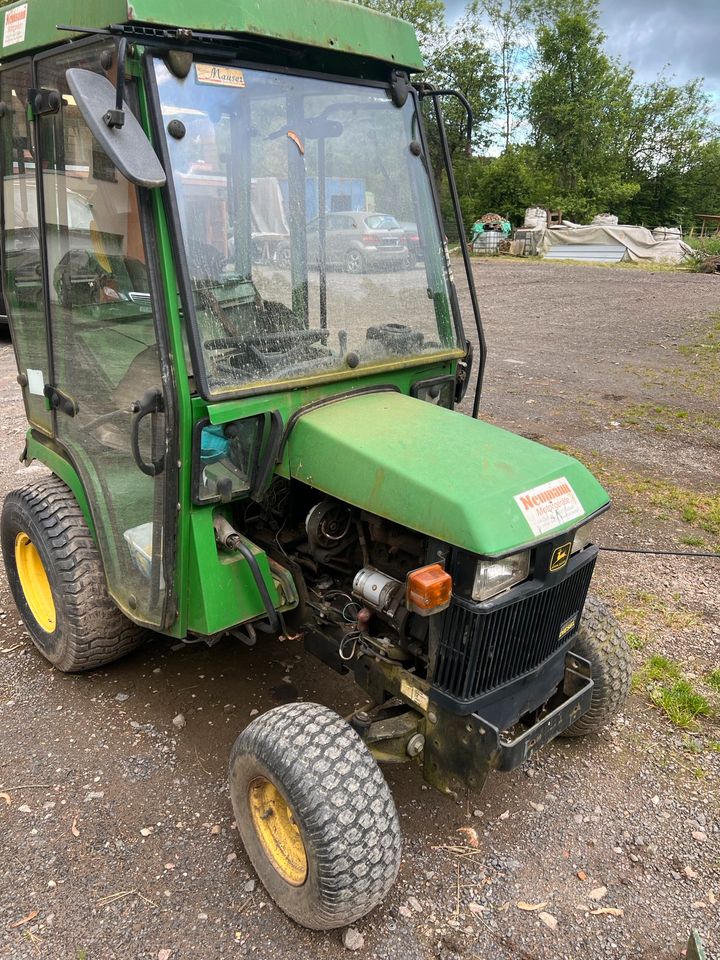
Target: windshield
(290,193)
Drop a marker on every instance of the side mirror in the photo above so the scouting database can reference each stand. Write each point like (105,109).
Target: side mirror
(125,144)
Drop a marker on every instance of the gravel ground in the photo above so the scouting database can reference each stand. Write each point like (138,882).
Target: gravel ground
(117,838)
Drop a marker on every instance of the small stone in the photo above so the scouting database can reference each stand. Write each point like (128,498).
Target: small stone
(504,816)
(249,886)
(254,712)
(179,721)
(352,939)
(477,813)
(598,893)
(229,707)
(215,829)
(202,916)
(635,858)
(405,911)
(95,795)
(548,919)
(581,875)
(699,835)
(231,858)
(689,872)
(414,904)
(146,831)
(477,909)
(24,809)
(51,884)
(539,807)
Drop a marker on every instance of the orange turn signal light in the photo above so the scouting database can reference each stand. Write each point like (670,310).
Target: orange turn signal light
(429,590)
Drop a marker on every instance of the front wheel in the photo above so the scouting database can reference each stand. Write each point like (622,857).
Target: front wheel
(600,640)
(315,814)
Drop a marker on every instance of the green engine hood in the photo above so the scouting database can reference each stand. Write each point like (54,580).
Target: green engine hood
(440,472)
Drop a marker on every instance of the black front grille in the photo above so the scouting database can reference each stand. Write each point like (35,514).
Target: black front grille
(481,650)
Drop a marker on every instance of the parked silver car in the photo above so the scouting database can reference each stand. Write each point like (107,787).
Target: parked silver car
(355,241)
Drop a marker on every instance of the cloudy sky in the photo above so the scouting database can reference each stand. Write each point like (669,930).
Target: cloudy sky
(651,33)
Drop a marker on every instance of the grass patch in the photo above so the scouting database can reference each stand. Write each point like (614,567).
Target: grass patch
(671,691)
(714,746)
(692,541)
(681,703)
(643,612)
(662,418)
(664,499)
(713,680)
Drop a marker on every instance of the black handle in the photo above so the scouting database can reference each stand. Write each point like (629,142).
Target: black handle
(58,400)
(151,403)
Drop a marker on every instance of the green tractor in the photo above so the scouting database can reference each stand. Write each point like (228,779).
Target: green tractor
(240,349)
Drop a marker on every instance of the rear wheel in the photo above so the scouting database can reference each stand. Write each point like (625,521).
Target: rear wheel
(600,640)
(315,814)
(57,580)
(354,262)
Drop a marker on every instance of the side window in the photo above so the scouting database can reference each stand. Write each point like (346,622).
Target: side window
(22,283)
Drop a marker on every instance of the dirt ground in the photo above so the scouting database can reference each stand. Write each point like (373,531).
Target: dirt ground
(117,840)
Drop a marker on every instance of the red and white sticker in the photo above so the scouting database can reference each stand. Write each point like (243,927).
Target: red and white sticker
(15,24)
(549,506)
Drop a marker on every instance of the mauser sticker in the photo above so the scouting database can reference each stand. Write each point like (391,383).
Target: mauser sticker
(219,76)
(15,24)
(549,505)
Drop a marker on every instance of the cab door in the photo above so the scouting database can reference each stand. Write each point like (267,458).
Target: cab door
(109,400)
(22,272)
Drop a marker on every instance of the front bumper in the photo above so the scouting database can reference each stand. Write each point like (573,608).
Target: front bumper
(460,751)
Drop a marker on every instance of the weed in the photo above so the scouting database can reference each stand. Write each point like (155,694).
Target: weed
(635,641)
(681,703)
(714,745)
(713,679)
(692,541)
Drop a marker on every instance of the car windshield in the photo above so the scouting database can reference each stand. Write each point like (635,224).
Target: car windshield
(289,191)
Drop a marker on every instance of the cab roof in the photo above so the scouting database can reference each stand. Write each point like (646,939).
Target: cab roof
(336,25)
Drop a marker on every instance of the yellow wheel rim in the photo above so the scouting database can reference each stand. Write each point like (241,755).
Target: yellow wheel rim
(34,582)
(279,834)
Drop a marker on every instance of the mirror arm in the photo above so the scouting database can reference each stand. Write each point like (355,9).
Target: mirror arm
(116,118)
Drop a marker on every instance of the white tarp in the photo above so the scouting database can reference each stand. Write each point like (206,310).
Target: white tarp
(638,242)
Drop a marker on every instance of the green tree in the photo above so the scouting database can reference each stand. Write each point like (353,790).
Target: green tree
(510,25)
(579,107)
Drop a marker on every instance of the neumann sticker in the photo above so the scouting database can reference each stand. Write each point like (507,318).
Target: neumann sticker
(549,505)
(219,76)
(15,24)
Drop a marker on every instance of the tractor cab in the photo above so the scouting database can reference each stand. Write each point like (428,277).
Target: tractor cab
(241,350)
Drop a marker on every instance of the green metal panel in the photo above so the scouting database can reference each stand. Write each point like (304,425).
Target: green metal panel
(325,24)
(432,469)
(221,592)
(53,460)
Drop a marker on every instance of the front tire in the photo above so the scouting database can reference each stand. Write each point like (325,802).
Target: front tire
(315,814)
(600,640)
(57,579)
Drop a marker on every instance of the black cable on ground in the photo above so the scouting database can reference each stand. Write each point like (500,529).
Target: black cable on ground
(662,553)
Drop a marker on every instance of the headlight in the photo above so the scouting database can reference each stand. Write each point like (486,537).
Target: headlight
(495,576)
(584,536)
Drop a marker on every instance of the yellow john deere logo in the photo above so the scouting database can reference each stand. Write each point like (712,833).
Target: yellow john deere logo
(560,557)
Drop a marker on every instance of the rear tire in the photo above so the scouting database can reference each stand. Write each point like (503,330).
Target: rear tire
(315,814)
(600,640)
(57,580)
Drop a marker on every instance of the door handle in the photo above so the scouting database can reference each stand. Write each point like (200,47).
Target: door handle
(60,401)
(151,403)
